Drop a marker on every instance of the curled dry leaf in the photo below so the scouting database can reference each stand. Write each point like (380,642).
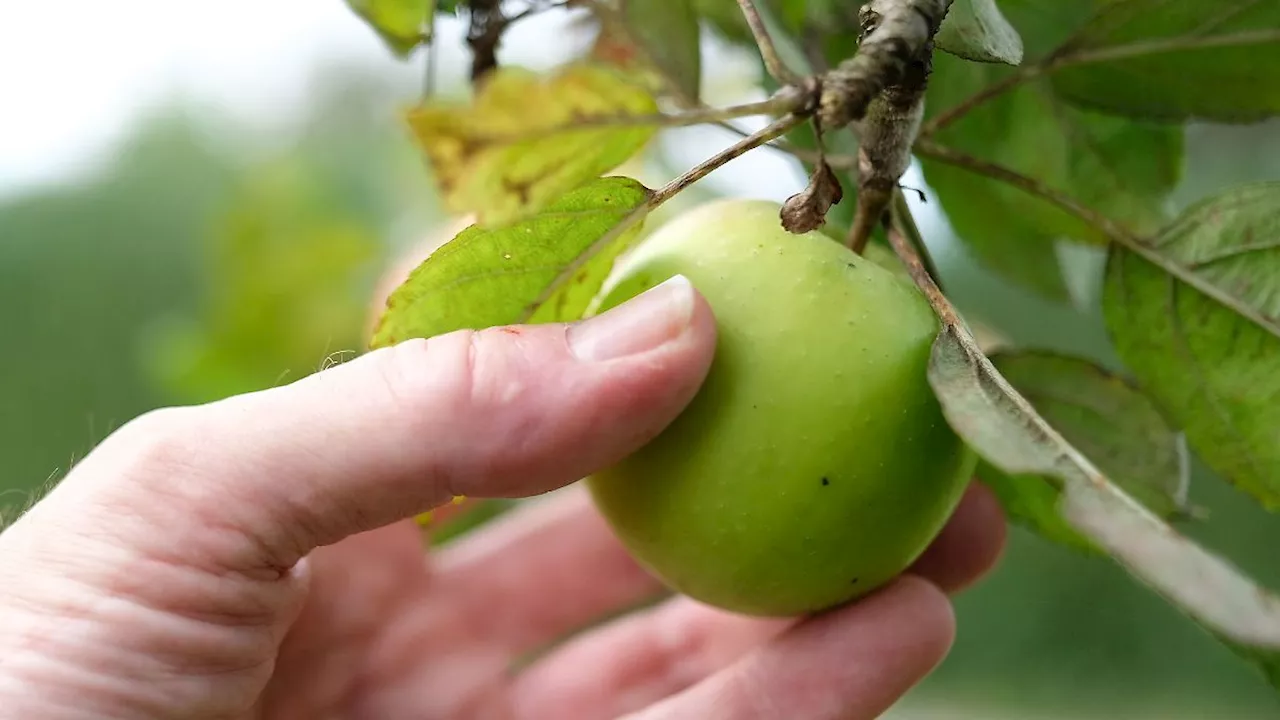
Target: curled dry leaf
(1007,432)
(807,210)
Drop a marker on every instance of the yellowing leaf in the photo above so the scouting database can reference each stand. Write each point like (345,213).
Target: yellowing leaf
(525,140)
(545,268)
(402,24)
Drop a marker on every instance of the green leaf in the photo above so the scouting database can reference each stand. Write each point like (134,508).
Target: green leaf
(402,24)
(667,33)
(1196,317)
(1122,168)
(1008,433)
(526,140)
(1177,60)
(1110,421)
(976,30)
(516,272)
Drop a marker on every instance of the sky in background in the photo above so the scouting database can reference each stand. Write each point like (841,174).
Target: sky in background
(73,75)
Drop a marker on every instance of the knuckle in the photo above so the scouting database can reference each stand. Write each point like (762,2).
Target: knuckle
(416,375)
(157,442)
(461,373)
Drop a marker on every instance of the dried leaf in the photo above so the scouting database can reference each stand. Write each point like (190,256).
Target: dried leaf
(807,210)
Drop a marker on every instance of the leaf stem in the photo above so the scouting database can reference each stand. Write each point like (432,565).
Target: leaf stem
(905,249)
(777,69)
(775,129)
(787,100)
(950,156)
(900,215)
(430,62)
(1009,82)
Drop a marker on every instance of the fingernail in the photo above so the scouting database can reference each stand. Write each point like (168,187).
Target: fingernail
(643,323)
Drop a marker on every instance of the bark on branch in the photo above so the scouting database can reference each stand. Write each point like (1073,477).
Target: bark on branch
(895,33)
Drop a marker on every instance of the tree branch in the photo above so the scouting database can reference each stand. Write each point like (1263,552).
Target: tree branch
(887,133)
(894,33)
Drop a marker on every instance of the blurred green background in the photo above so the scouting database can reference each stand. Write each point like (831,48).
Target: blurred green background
(200,253)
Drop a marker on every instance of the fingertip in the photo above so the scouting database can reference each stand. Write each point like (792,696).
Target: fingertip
(853,662)
(933,619)
(971,544)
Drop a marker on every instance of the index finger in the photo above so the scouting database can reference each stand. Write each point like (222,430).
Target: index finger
(853,663)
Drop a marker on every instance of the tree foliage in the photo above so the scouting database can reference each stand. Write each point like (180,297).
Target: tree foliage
(1037,123)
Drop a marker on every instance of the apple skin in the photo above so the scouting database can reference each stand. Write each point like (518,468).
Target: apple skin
(814,464)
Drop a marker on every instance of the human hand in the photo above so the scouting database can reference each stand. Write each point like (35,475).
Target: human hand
(255,557)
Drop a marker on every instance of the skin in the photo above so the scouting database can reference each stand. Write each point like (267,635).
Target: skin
(256,557)
(814,464)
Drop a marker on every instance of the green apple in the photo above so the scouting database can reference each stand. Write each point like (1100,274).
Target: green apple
(814,464)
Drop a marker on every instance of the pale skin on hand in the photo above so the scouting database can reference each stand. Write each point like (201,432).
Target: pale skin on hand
(256,557)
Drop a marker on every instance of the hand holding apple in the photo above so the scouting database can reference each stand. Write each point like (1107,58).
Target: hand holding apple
(256,556)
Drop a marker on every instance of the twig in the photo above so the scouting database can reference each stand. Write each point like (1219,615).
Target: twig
(429,69)
(895,32)
(788,100)
(768,52)
(941,153)
(1009,82)
(1117,233)
(775,129)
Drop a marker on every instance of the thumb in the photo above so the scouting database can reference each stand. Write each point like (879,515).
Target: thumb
(503,412)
